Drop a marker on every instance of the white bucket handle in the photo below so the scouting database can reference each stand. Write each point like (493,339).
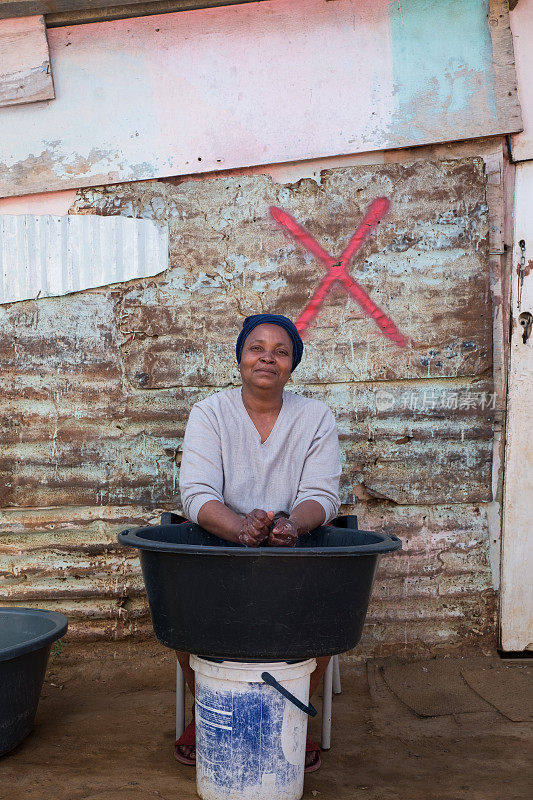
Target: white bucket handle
(270,679)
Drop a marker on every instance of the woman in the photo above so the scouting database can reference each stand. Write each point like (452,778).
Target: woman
(260,465)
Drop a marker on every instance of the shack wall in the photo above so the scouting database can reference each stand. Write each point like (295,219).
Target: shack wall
(98,384)
(102,381)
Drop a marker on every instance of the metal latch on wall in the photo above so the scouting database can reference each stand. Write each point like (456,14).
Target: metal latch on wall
(521,271)
(526,321)
(526,318)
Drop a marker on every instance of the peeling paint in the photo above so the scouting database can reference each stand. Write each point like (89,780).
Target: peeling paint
(194,76)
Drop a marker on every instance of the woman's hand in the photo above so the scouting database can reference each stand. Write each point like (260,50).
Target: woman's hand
(255,527)
(284,533)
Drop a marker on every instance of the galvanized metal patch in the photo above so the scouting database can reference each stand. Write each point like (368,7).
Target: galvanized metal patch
(47,256)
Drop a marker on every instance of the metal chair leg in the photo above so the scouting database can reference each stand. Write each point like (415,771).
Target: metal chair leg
(326,706)
(336,676)
(180,700)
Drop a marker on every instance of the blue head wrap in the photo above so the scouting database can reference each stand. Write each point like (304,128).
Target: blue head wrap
(274,319)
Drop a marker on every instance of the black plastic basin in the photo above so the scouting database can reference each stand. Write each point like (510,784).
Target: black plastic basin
(25,639)
(216,599)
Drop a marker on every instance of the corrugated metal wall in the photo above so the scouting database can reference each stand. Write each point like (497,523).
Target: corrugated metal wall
(98,387)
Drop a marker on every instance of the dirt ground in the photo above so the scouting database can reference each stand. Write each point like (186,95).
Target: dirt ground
(105,731)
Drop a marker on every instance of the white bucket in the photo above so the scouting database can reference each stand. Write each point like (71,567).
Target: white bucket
(250,739)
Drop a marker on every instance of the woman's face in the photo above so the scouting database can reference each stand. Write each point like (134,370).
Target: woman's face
(266,357)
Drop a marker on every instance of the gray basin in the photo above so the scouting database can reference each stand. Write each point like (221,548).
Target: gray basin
(26,635)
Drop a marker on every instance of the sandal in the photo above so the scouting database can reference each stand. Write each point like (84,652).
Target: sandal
(313,747)
(187,739)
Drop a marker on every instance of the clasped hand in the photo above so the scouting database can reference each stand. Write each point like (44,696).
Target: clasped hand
(259,525)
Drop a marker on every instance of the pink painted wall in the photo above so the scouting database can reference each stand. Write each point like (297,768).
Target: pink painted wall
(256,84)
(54,203)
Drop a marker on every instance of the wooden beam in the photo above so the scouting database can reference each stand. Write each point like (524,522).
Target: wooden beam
(94,10)
(133,8)
(25,73)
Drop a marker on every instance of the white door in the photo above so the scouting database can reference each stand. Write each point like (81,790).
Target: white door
(517,542)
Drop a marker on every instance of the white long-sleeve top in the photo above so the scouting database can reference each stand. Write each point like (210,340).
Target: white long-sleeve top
(223,457)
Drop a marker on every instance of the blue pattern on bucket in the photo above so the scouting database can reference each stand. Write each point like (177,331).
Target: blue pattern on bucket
(238,737)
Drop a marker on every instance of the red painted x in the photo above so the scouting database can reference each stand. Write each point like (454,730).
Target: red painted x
(337,269)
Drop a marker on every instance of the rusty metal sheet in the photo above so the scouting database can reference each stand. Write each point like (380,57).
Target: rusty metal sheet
(425,265)
(414,443)
(97,388)
(83,416)
(435,594)
(97,620)
(68,559)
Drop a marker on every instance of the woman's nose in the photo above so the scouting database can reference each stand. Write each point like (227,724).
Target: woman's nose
(267,357)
